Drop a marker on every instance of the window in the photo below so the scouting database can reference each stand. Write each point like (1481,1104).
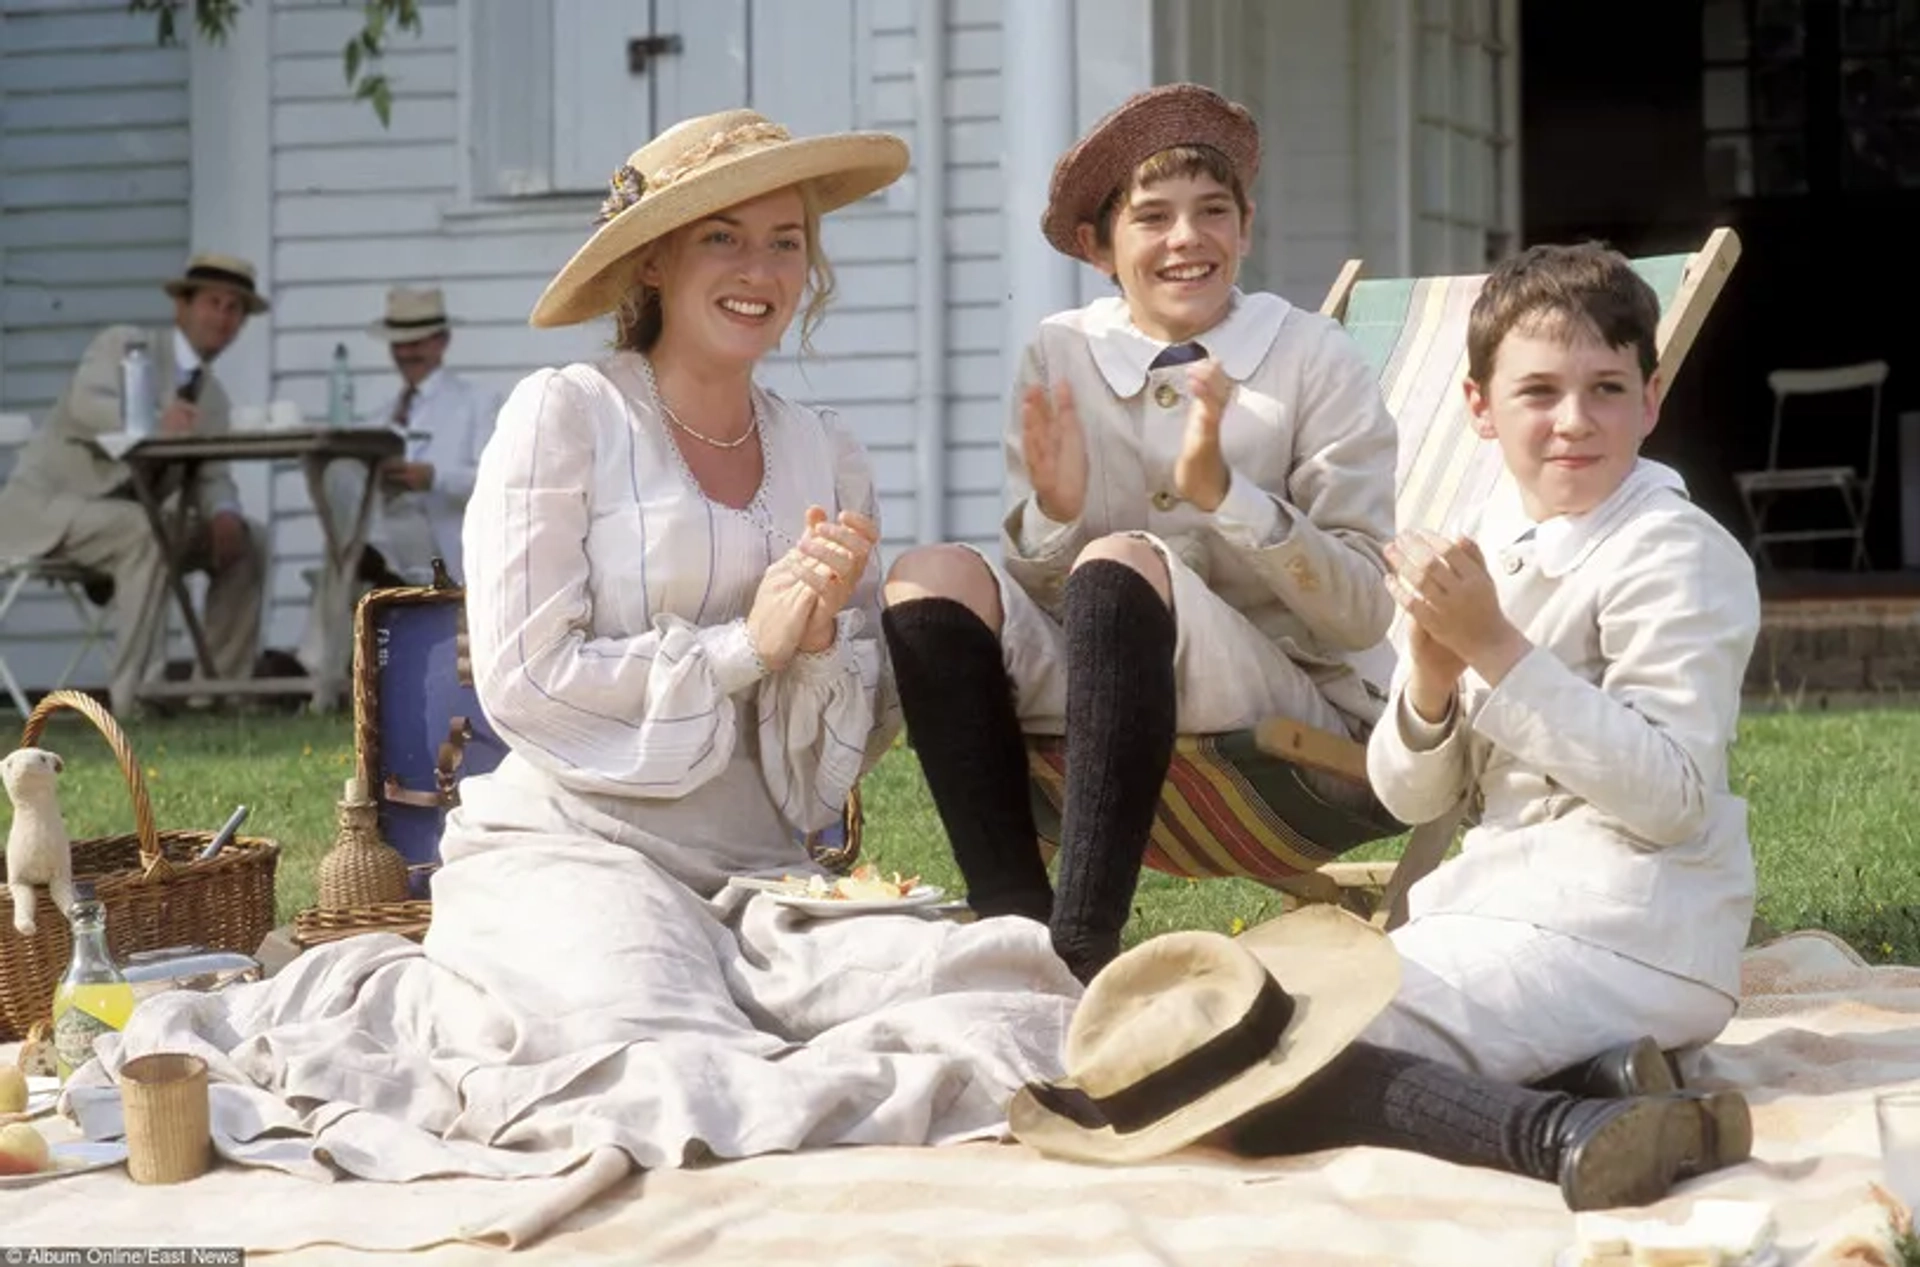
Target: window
(1798,96)
(559,92)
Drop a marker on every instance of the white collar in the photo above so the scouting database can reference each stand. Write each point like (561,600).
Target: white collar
(429,385)
(1123,352)
(185,359)
(1562,543)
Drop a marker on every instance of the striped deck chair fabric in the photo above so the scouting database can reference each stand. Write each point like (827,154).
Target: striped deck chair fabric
(1230,807)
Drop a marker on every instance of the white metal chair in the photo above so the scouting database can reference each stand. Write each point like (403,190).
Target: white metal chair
(69,578)
(1760,490)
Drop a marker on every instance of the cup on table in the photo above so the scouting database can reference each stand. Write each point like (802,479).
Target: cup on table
(163,1098)
(1898,1113)
(284,415)
(250,418)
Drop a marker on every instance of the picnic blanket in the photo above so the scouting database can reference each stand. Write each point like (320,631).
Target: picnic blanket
(1817,1034)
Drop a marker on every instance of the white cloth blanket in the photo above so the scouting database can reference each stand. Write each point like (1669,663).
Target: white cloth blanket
(572,1001)
(1819,1032)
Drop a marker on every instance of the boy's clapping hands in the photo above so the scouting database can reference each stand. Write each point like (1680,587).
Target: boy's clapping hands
(1447,590)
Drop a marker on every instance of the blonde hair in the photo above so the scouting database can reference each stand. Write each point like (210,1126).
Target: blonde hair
(639,320)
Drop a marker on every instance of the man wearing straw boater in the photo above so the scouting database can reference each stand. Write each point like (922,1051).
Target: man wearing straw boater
(445,419)
(68,499)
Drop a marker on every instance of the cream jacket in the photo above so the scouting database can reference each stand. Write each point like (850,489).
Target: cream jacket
(1297,544)
(58,472)
(1598,765)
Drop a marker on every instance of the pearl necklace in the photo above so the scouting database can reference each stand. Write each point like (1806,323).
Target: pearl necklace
(653,386)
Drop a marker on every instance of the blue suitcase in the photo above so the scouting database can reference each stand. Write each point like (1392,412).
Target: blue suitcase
(418,727)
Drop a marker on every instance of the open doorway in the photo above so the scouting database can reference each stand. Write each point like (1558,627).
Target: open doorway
(1797,122)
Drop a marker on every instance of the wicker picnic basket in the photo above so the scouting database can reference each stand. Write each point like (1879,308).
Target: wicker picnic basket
(157,892)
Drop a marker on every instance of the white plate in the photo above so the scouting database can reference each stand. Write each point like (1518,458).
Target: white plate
(834,907)
(41,1093)
(71,1157)
(1768,1257)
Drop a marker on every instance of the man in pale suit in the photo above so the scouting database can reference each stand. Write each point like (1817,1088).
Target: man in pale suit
(66,498)
(423,496)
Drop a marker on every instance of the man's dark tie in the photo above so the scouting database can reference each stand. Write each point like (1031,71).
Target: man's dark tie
(190,390)
(1179,354)
(403,409)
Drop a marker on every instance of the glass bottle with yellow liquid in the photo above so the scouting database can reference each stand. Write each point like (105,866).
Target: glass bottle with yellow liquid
(93,997)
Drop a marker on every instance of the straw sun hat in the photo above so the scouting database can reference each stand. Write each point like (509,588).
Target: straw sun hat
(227,272)
(1190,1031)
(412,315)
(698,167)
(1137,129)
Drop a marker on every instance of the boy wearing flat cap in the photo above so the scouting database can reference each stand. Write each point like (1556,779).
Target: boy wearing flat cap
(1199,494)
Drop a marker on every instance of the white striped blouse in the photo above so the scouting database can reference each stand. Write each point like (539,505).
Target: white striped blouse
(606,597)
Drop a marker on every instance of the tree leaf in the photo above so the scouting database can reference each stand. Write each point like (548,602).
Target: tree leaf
(352,55)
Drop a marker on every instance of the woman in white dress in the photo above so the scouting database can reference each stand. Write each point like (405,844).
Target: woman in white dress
(672,606)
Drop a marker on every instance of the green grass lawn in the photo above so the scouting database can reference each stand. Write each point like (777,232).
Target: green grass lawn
(1834,802)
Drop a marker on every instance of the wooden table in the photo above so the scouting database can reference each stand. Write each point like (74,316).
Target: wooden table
(149,463)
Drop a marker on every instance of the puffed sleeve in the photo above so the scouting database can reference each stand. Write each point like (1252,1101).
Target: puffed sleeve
(650,714)
(828,717)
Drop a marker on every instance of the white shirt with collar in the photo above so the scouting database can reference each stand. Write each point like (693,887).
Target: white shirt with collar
(1599,762)
(185,359)
(1297,545)
(448,424)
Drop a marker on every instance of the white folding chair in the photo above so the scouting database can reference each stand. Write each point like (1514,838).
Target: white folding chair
(1761,490)
(72,580)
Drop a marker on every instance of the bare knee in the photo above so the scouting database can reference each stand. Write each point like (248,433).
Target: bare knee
(946,571)
(1132,552)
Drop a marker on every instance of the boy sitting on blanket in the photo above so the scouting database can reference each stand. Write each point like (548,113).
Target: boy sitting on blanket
(1573,668)
(1199,496)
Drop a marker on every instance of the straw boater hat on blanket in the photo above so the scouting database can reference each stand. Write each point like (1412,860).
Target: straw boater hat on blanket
(1190,1031)
(227,272)
(412,315)
(1140,127)
(698,167)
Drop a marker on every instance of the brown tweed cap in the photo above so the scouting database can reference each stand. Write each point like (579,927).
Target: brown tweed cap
(1137,129)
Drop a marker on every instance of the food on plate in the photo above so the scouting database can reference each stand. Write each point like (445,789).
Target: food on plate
(23,1150)
(1715,1234)
(866,884)
(13,1090)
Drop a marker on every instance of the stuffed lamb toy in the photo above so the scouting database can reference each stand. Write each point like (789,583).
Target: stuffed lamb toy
(38,851)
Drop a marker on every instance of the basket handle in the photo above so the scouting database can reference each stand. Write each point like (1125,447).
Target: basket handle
(150,856)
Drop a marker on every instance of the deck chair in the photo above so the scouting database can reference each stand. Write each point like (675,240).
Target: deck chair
(1281,802)
(70,579)
(1760,490)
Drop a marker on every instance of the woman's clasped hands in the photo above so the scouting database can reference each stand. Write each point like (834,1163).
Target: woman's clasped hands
(802,594)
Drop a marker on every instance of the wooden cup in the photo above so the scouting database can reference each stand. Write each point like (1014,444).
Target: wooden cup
(169,1130)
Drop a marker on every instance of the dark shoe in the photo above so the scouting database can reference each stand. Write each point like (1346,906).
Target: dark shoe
(1635,1068)
(1634,1151)
(1729,1133)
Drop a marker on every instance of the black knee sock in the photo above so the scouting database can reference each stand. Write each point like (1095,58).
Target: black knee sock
(959,713)
(1389,1099)
(1120,720)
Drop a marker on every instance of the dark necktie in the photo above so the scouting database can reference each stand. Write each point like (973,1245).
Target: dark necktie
(403,408)
(1178,354)
(190,390)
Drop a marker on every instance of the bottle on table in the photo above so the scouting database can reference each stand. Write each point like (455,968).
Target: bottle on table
(137,415)
(340,389)
(93,998)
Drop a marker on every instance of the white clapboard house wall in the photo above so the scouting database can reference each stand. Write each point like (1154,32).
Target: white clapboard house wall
(1389,129)
(94,188)
(486,189)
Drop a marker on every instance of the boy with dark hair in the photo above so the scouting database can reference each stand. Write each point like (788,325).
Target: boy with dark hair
(1574,666)
(1199,493)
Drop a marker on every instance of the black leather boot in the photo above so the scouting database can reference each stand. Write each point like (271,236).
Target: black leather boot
(1617,1153)
(1635,1068)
